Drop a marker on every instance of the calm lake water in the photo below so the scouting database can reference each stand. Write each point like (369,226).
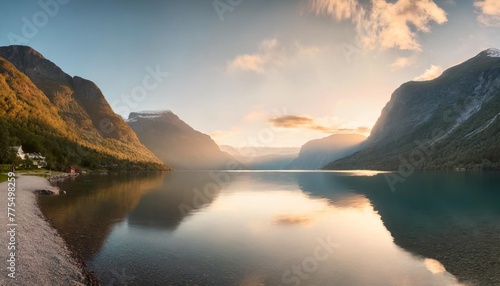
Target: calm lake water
(283,228)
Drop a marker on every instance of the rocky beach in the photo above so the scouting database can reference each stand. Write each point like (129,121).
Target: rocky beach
(41,256)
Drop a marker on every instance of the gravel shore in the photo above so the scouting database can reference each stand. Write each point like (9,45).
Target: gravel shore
(41,256)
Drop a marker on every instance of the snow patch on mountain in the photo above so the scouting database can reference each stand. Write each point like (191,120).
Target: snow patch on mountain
(146,114)
(494,53)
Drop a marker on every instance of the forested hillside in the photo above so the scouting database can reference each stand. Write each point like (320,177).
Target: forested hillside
(66,119)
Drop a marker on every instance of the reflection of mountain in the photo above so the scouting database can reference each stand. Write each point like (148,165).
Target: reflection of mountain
(454,218)
(451,217)
(337,188)
(263,158)
(181,194)
(93,205)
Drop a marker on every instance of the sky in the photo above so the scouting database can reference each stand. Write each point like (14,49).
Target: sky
(254,72)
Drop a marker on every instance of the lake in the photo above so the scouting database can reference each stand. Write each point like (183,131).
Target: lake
(283,228)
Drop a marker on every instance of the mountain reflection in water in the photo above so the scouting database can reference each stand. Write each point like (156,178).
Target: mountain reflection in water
(246,228)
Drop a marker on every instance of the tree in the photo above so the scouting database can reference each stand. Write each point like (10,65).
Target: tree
(28,163)
(5,152)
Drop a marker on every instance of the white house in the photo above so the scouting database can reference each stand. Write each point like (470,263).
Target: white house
(19,151)
(37,158)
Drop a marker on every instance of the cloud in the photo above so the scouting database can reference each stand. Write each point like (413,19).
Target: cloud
(384,24)
(430,73)
(363,129)
(255,62)
(248,62)
(294,121)
(291,121)
(489,14)
(222,134)
(402,62)
(270,54)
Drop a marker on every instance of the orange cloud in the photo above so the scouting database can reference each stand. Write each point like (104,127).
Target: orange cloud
(430,73)
(294,121)
(291,121)
(489,14)
(255,62)
(384,24)
(269,55)
(402,62)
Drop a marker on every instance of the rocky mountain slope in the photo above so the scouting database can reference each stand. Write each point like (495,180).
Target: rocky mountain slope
(176,143)
(65,118)
(315,154)
(446,123)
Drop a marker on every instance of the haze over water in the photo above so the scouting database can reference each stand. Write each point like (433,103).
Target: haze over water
(282,228)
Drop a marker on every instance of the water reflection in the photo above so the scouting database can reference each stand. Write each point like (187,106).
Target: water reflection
(451,217)
(278,228)
(180,194)
(85,216)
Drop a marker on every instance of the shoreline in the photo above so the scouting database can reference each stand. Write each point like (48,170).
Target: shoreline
(42,255)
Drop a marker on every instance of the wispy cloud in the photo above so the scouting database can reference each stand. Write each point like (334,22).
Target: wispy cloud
(291,121)
(489,12)
(430,73)
(402,63)
(270,54)
(294,121)
(383,24)
(223,134)
(255,62)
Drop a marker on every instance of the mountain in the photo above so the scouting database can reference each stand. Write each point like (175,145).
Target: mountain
(178,144)
(446,123)
(263,158)
(65,118)
(315,154)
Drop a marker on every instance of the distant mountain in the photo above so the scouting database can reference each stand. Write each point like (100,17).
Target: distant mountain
(446,123)
(176,143)
(65,118)
(263,158)
(315,154)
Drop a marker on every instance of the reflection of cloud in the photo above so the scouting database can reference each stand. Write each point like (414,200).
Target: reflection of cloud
(489,14)
(294,121)
(269,54)
(360,173)
(430,73)
(292,219)
(384,24)
(434,266)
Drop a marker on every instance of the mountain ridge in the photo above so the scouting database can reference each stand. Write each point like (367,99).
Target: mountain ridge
(176,143)
(76,111)
(437,115)
(315,154)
